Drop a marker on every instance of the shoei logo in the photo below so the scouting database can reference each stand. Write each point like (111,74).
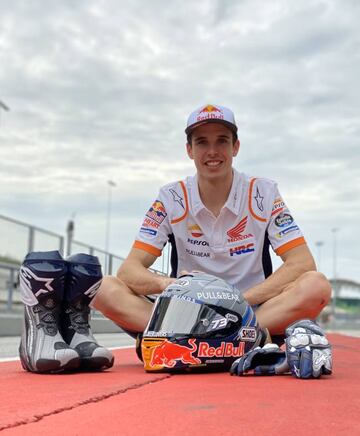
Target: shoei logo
(248,334)
(226,349)
(31,283)
(91,292)
(168,353)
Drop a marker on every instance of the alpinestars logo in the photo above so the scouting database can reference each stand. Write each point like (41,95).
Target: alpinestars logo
(91,292)
(235,234)
(32,286)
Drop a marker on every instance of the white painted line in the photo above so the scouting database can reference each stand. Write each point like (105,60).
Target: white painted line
(8,359)
(14,359)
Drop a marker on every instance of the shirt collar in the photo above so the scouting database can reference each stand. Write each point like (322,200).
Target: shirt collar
(234,198)
(196,203)
(232,203)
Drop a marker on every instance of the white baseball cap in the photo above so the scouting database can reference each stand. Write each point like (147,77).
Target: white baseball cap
(211,114)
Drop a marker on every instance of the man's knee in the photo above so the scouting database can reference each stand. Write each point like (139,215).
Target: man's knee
(313,291)
(117,302)
(316,284)
(108,294)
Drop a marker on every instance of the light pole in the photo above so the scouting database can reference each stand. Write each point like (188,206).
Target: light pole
(70,230)
(3,106)
(111,185)
(334,230)
(319,244)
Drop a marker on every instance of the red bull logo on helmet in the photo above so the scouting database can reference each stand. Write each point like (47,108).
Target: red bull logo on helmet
(160,353)
(226,349)
(209,112)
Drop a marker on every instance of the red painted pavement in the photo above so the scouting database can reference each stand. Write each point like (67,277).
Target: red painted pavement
(127,401)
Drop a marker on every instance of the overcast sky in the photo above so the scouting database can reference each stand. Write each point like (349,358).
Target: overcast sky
(101,90)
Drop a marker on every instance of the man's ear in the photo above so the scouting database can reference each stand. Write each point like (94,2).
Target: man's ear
(236,148)
(189,150)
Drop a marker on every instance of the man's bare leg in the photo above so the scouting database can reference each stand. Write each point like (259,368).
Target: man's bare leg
(303,298)
(118,303)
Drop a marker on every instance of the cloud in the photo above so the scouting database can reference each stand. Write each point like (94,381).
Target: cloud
(101,90)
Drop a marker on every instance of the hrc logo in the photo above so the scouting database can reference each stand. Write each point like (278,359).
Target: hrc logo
(242,249)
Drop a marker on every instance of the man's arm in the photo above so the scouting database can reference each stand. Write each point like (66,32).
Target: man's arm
(297,261)
(135,274)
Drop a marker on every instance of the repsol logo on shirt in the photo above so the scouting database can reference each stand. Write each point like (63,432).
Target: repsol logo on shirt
(242,249)
(197,242)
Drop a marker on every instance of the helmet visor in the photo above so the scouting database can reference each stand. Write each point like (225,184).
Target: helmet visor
(179,316)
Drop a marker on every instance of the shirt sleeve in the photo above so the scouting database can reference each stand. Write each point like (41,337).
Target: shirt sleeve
(284,234)
(154,231)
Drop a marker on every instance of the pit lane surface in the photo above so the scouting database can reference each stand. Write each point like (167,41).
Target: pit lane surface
(125,400)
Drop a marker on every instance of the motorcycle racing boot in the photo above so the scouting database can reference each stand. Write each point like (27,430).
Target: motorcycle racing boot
(83,281)
(42,348)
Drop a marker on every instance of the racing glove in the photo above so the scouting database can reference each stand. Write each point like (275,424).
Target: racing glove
(266,360)
(307,355)
(308,351)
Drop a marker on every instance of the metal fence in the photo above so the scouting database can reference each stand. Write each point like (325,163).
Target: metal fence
(18,238)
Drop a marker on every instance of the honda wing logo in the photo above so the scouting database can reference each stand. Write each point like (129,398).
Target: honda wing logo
(235,233)
(238,229)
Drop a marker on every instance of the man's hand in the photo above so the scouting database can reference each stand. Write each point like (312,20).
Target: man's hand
(297,261)
(166,281)
(186,273)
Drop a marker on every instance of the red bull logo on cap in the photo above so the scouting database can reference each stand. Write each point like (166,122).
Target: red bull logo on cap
(210,108)
(209,112)
(157,212)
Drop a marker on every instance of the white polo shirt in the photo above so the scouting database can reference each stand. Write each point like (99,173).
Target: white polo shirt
(234,245)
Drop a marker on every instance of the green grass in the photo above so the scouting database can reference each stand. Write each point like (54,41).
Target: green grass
(350,308)
(9,259)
